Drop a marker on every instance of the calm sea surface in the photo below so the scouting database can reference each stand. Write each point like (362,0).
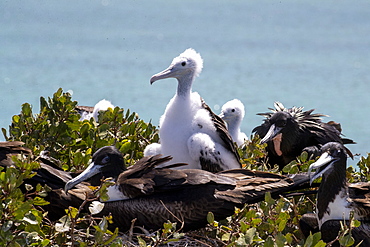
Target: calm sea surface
(303,53)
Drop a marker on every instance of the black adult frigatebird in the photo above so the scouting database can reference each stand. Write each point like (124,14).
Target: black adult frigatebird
(49,173)
(153,195)
(289,132)
(336,198)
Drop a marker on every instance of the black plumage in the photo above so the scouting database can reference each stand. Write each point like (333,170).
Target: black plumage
(336,198)
(50,174)
(290,131)
(154,195)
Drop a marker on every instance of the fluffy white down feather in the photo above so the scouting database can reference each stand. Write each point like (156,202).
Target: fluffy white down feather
(232,112)
(185,122)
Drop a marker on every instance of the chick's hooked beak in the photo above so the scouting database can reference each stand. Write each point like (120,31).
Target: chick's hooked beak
(170,72)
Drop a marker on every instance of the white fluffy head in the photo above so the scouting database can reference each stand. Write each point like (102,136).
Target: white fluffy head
(190,59)
(233,109)
(102,105)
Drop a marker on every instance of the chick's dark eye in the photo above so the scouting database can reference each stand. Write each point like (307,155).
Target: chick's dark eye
(105,160)
(233,110)
(183,63)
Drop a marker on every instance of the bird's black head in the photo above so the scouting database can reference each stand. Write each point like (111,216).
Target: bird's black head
(106,162)
(279,122)
(281,119)
(333,159)
(110,161)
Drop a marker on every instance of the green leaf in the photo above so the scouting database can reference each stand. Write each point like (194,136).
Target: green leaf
(269,242)
(103,224)
(38,201)
(355,223)
(320,244)
(112,237)
(210,218)
(243,227)
(45,242)
(289,237)
(16,118)
(225,237)
(316,237)
(168,226)
(280,240)
(26,109)
(347,240)
(309,241)
(72,212)
(125,147)
(256,222)
(142,243)
(304,156)
(269,199)
(22,210)
(63,225)
(249,235)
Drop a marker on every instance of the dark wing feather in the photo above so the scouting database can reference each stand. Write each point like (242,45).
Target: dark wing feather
(359,194)
(59,200)
(208,165)
(9,149)
(81,108)
(144,178)
(252,185)
(223,132)
(190,198)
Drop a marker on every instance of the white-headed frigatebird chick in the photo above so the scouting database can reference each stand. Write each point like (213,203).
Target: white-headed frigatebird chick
(290,131)
(189,131)
(232,112)
(336,198)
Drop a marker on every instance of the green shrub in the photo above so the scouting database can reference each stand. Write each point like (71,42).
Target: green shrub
(57,129)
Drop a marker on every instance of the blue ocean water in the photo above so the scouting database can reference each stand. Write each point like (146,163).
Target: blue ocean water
(301,53)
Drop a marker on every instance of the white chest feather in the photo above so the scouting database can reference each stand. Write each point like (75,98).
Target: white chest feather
(177,125)
(115,194)
(339,209)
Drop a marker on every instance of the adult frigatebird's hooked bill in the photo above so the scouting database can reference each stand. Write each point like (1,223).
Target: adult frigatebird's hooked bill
(336,198)
(289,132)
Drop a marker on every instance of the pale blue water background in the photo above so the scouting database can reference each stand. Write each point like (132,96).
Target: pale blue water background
(303,53)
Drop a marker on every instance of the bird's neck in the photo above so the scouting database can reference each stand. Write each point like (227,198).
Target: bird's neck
(234,128)
(184,85)
(289,140)
(331,186)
